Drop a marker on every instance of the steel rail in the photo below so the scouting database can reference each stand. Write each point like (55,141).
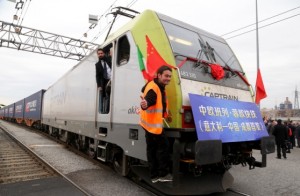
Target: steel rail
(41,159)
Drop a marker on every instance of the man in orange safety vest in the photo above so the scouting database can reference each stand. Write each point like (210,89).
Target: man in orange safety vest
(154,107)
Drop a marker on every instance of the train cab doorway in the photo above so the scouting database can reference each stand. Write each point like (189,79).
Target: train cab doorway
(104,77)
(118,51)
(104,91)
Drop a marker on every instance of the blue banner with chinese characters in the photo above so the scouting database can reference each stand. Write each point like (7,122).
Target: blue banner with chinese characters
(226,120)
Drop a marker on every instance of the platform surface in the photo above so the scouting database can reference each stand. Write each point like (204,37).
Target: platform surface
(54,186)
(188,184)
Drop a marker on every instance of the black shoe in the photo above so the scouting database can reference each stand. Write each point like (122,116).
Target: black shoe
(284,157)
(278,157)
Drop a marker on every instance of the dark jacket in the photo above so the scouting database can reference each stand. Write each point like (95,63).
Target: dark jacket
(281,133)
(298,132)
(101,82)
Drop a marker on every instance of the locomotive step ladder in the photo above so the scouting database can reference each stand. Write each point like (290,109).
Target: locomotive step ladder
(102,152)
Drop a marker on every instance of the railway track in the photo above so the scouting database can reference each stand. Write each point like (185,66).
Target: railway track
(29,166)
(18,164)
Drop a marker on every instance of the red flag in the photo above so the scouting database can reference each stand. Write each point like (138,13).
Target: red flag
(154,60)
(260,89)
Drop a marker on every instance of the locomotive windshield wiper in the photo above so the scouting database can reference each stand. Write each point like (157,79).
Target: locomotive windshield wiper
(204,49)
(198,63)
(207,52)
(234,72)
(212,52)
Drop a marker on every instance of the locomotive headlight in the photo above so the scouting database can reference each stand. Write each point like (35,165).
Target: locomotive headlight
(188,117)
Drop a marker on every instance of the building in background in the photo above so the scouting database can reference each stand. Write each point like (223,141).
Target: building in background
(284,111)
(286,104)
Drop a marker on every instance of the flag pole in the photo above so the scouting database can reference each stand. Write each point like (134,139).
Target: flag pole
(257,43)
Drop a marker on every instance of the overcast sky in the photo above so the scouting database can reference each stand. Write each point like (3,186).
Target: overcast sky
(24,73)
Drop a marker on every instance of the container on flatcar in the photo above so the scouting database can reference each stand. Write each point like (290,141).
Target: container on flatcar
(19,111)
(1,113)
(33,108)
(11,112)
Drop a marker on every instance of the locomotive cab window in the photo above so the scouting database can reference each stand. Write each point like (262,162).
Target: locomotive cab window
(123,51)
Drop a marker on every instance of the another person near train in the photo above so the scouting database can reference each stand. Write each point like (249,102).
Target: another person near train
(154,109)
(281,136)
(103,76)
(270,127)
(298,134)
(288,142)
(291,125)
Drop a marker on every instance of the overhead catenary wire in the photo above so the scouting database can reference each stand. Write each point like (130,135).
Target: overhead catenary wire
(109,23)
(130,4)
(239,29)
(106,11)
(25,12)
(21,12)
(22,9)
(263,26)
(19,8)
(261,21)
(21,17)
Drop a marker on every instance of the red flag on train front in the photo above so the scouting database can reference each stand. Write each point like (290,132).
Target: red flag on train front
(154,60)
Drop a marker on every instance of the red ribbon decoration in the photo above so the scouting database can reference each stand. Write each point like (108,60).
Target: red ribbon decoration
(217,71)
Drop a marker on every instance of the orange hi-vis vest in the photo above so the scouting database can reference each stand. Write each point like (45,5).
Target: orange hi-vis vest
(152,117)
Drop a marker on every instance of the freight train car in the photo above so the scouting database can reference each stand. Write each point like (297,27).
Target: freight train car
(27,110)
(33,109)
(19,111)
(5,114)
(213,122)
(11,112)
(2,113)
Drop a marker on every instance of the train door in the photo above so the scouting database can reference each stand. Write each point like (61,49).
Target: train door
(118,53)
(104,94)
(107,133)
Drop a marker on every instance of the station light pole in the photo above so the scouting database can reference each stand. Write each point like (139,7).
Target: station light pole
(257,43)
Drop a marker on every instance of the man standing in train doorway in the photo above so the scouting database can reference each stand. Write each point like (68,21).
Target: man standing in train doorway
(103,76)
(154,107)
